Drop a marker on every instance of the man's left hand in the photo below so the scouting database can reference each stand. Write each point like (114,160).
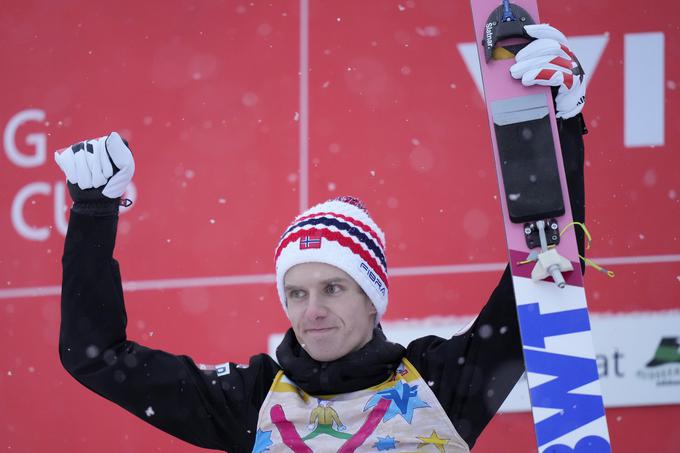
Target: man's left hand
(548,61)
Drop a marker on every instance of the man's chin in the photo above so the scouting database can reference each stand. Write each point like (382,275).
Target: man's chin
(325,356)
(323,352)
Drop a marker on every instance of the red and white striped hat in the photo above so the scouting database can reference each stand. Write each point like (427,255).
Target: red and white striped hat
(339,232)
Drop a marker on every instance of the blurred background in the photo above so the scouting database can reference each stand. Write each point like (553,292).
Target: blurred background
(240,114)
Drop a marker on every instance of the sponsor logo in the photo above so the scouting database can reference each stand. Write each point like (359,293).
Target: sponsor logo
(572,410)
(610,365)
(374,278)
(489,35)
(221,369)
(664,367)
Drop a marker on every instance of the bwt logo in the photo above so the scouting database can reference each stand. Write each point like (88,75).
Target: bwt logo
(37,142)
(374,278)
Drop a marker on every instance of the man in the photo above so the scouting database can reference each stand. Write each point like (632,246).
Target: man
(339,385)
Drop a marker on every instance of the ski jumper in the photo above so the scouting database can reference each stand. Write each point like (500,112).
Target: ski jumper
(436,391)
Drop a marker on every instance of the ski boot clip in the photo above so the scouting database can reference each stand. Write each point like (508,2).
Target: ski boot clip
(505,22)
(549,262)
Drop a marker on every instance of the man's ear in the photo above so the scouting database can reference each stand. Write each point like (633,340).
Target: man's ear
(372,310)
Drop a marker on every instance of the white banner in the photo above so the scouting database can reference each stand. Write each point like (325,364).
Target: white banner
(638,355)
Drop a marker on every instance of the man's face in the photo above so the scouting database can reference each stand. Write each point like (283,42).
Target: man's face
(330,314)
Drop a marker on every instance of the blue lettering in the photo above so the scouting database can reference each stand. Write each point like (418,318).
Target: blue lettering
(570,373)
(374,278)
(536,326)
(589,444)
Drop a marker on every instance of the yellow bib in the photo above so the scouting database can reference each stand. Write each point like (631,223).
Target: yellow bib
(401,414)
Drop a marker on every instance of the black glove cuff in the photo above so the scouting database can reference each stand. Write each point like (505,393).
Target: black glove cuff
(92,201)
(575,125)
(98,208)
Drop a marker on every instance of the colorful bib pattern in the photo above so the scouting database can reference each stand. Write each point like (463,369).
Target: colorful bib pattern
(401,414)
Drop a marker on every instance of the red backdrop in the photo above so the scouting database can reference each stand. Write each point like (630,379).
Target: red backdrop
(209,95)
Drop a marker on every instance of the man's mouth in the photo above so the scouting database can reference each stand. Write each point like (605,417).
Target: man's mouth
(319,330)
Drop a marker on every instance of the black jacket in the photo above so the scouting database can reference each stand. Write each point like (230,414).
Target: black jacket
(471,374)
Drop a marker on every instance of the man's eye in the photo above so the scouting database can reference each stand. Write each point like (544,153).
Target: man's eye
(333,289)
(296,294)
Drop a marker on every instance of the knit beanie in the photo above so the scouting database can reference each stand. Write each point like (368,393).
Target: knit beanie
(339,232)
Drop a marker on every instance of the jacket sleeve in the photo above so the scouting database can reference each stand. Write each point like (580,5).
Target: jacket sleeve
(473,372)
(166,390)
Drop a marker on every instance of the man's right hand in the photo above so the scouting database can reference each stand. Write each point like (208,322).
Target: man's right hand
(97,170)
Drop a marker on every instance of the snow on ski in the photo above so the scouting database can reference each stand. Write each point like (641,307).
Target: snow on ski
(564,387)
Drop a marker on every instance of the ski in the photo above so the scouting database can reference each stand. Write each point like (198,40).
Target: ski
(564,388)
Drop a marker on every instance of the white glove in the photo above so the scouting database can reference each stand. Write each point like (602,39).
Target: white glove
(104,161)
(548,61)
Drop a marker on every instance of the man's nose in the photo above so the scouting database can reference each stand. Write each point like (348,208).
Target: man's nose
(316,307)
